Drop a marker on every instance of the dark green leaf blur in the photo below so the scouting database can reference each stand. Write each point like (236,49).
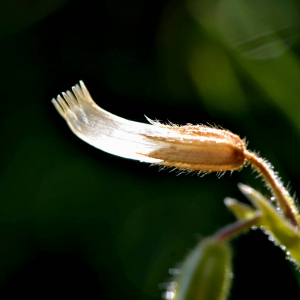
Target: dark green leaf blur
(78,222)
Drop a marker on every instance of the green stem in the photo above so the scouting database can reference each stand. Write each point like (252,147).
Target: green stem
(230,231)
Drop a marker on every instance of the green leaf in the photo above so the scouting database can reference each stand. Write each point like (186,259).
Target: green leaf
(274,224)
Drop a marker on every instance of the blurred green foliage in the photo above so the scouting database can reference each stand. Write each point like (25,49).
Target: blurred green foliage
(77,221)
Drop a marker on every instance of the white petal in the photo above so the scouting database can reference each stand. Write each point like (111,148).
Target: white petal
(104,130)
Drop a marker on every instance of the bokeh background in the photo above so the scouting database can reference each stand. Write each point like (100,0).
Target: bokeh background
(78,222)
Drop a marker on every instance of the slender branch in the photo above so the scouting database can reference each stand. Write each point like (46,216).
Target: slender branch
(231,230)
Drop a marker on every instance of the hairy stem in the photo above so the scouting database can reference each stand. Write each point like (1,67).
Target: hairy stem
(283,197)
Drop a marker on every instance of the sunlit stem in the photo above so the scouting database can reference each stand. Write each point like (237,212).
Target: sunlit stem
(283,197)
(232,230)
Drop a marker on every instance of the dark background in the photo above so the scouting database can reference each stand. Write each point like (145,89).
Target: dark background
(78,222)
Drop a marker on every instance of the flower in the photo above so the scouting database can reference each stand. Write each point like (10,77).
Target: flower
(191,147)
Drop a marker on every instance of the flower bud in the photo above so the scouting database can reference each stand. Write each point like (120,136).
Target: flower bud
(191,147)
(205,274)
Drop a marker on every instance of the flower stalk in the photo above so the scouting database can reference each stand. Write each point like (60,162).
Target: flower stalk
(284,199)
(230,231)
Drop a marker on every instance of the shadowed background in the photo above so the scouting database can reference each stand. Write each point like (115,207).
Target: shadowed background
(75,221)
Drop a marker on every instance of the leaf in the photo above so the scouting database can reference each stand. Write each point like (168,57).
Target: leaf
(274,224)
